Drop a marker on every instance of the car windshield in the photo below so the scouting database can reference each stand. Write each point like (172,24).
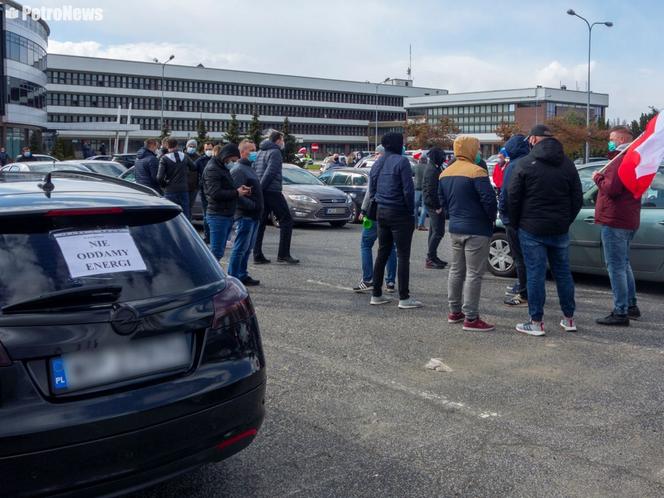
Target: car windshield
(586,174)
(105,168)
(299,177)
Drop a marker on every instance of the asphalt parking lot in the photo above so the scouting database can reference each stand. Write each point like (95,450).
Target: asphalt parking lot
(351,410)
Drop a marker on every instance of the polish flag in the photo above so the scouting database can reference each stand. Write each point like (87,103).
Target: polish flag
(643,158)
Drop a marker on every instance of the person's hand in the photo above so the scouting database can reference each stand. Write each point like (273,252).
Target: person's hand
(243,191)
(360,217)
(439,210)
(596,174)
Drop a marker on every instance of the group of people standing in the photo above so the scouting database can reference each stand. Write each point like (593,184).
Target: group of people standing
(539,197)
(239,187)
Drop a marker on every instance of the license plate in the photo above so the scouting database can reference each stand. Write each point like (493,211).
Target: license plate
(80,370)
(336,210)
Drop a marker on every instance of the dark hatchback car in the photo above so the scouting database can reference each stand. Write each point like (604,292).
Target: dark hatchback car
(126,355)
(352,181)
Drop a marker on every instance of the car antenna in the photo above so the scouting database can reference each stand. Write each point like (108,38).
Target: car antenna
(47,186)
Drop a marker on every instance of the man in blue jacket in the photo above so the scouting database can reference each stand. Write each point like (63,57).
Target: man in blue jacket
(392,188)
(147,165)
(469,199)
(517,294)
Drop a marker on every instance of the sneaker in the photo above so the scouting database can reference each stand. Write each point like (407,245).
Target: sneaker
(513,290)
(288,260)
(378,300)
(434,265)
(614,320)
(390,288)
(457,317)
(633,312)
(477,325)
(261,260)
(440,261)
(568,324)
(516,300)
(363,287)
(250,282)
(422,228)
(409,304)
(531,328)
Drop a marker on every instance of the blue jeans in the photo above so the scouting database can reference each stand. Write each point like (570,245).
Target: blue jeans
(616,242)
(245,238)
(537,249)
(369,237)
(220,230)
(420,216)
(182,200)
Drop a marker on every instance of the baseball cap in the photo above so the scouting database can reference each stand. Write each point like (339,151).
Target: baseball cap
(540,131)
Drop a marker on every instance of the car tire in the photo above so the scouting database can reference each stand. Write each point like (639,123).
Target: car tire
(338,224)
(501,262)
(274,220)
(354,214)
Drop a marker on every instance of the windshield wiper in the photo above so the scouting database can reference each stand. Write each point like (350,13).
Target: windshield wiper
(86,295)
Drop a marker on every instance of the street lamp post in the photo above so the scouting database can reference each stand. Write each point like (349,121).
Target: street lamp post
(163,69)
(590,25)
(376,107)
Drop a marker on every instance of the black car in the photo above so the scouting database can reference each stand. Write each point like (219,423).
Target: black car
(126,355)
(127,160)
(352,181)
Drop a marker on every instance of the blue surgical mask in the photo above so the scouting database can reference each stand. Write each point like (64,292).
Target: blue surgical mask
(191,150)
(478,158)
(612,146)
(252,156)
(27,154)
(403,150)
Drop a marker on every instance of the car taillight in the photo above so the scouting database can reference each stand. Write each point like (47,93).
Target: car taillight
(5,360)
(84,211)
(232,305)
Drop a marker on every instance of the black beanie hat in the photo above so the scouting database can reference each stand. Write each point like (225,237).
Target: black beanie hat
(229,150)
(437,156)
(393,142)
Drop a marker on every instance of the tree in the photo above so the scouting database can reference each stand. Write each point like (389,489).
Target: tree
(232,134)
(290,142)
(36,142)
(63,149)
(426,136)
(255,130)
(572,133)
(165,132)
(506,130)
(639,126)
(202,134)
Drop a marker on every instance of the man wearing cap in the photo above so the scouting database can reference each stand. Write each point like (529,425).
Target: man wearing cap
(192,178)
(172,175)
(222,196)
(499,168)
(544,198)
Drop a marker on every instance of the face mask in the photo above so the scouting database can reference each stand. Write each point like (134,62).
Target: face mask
(208,152)
(612,146)
(27,154)
(478,158)
(282,146)
(403,150)
(252,156)
(191,150)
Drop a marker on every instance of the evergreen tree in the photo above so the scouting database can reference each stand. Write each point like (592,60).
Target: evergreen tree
(290,142)
(639,126)
(255,130)
(232,134)
(202,134)
(36,142)
(58,149)
(165,132)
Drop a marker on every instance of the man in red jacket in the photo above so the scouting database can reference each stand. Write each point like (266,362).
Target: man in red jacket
(619,213)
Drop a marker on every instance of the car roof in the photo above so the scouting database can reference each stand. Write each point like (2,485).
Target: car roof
(21,192)
(359,171)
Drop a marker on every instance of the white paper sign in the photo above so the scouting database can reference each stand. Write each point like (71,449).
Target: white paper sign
(96,252)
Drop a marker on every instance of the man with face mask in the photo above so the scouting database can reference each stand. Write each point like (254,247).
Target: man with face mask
(192,179)
(499,168)
(26,155)
(200,164)
(619,138)
(222,196)
(147,165)
(268,166)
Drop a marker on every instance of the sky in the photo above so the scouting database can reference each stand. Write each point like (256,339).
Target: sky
(460,46)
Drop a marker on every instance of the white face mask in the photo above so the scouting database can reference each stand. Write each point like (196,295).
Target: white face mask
(208,153)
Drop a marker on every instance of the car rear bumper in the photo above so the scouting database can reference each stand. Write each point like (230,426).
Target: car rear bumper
(125,462)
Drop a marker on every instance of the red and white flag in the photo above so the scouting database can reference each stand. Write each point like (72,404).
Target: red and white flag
(643,158)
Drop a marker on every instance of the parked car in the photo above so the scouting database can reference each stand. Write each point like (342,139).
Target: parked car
(99,158)
(41,167)
(197,210)
(352,181)
(127,356)
(41,157)
(311,201)
(366,161)
(586,253)
(582,160)
(127,160)
(108,168)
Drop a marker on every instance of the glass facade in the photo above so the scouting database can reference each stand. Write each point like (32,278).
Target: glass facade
(20,49)
(25,93)
(481,118)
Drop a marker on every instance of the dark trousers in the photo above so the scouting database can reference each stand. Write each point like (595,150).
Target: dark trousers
(517,256)
(275,203)
(394,227)
(436,233)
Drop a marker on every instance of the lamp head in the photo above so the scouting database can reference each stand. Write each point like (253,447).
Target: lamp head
(608,24)
(571,12)
(171,58)
(155,60)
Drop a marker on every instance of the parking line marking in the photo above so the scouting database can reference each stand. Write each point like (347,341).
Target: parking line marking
(325,284)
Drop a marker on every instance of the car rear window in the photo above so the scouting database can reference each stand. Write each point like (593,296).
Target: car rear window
(173,254)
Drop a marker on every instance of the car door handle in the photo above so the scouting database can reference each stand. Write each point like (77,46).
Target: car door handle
(590,219)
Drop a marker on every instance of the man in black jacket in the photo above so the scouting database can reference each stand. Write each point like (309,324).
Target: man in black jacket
(193,179)
(200,164)
(268,166)
(222,196)
(172,175)
(247,215)
(544,197)
(147,165)
(430,182)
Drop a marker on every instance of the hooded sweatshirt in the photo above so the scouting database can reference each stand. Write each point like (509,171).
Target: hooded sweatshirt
(544,191)
(432,171)
(391,178)
(517,148)
(174,168)
(269,166)
(145,169)
(465,191)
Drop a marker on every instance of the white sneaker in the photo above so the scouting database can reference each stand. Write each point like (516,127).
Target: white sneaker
(568,324)
(409,304)
(377,301)
(531,328)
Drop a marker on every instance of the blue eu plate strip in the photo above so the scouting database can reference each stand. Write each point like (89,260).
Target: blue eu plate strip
(59,373)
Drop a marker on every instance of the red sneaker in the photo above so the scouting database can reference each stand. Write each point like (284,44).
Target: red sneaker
(457,317)
(477,325)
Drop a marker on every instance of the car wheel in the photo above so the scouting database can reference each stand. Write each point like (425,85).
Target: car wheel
(274,220)
(338,224)
(354,214)
(501,262)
